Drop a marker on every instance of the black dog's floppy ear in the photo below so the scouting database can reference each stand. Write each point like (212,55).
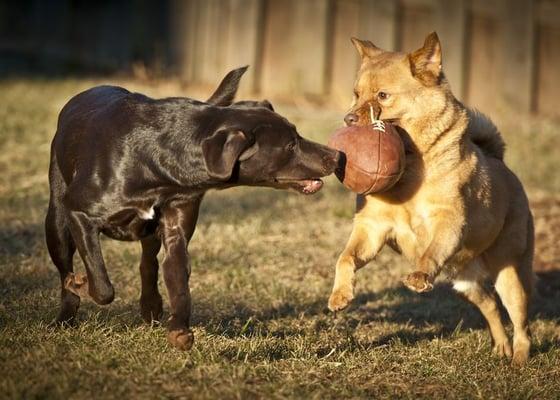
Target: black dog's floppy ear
(222,150)
(226,91)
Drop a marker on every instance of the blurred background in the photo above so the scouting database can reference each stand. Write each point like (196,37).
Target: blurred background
(498,54)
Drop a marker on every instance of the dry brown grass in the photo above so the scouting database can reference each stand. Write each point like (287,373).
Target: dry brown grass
(262,269)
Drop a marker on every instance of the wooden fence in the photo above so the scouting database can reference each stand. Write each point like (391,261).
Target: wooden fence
(497,53)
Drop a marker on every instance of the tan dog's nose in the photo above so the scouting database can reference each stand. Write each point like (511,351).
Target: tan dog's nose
(350,119)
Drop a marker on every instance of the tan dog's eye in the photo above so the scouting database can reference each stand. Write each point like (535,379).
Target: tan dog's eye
(356,94)
(383,95)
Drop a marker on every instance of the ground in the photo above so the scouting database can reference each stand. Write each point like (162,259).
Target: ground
(263,266)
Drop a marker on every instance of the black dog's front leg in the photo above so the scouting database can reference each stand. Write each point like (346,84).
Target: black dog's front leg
(178,225)
(151,304)
(97,284)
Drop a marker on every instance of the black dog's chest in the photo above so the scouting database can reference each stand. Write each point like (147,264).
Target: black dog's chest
(131,224)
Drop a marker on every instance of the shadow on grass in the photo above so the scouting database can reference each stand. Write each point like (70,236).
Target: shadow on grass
(440,313)
(441,310)
(546,304)
(442,307)
(418,318)
(20,241)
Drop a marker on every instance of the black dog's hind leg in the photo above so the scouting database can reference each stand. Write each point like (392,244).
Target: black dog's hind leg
(150,300)
(86,236)
(61,249)
(178,224)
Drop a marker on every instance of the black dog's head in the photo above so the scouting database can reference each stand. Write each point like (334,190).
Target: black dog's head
(256,146)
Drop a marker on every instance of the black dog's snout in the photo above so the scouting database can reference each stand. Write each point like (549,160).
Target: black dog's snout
(332,162)
(341,166)
(350,119)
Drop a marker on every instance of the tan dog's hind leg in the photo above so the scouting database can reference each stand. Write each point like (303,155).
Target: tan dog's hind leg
(511,261)
(515,297)
(468,284)
(362,247)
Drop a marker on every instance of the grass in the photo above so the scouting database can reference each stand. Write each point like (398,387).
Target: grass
(262,270)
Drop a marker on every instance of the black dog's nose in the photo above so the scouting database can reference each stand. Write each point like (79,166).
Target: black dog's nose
(350,119)
(332,162)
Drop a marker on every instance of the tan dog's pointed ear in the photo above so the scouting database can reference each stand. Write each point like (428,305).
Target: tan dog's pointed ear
(365,48)
(425,63)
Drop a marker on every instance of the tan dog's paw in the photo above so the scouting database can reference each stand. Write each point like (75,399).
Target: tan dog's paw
(181,339)
(520,358)
(340,299)
(521,349)
(502,349)
(77,284)
(418,282)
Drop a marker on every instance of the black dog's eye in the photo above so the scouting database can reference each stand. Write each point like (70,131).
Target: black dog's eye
(383,95)
(291,146)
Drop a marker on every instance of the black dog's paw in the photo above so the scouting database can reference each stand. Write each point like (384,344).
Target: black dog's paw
(181,339)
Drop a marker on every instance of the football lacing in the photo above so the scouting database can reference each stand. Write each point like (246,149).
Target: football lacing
(377,123)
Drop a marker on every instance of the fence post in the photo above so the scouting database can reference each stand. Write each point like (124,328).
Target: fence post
(518,53)
(309,41)
(378,22)
(243,39)
(451,27)
(183,37)
(547,80)
(343,57)
(295,48)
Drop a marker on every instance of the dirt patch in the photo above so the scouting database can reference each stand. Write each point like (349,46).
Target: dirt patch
(546,211)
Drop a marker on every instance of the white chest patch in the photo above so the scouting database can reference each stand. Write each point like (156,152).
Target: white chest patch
(147,214)
(469,277)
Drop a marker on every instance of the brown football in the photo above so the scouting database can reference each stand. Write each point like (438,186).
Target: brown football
(375,157)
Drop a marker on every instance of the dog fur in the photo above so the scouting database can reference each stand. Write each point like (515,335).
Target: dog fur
(136,168)
(457,208)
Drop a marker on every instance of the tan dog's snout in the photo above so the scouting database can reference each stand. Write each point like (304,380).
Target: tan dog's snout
(363,115)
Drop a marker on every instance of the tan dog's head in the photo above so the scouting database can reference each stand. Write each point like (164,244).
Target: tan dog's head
(404,87)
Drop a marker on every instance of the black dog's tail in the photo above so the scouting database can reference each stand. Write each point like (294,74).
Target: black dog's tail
(485,135)
(225,93)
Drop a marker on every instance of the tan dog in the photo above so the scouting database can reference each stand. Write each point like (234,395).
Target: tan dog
(458,208)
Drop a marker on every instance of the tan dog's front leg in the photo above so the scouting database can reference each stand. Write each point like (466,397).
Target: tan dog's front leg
(365,242)
(445,242)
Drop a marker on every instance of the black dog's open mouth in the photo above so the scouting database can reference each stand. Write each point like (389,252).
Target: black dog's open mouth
(305,186)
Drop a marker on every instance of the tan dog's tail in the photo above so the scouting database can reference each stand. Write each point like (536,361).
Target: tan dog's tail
(485,135)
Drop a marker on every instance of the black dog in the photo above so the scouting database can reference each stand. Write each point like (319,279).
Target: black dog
(136,168)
